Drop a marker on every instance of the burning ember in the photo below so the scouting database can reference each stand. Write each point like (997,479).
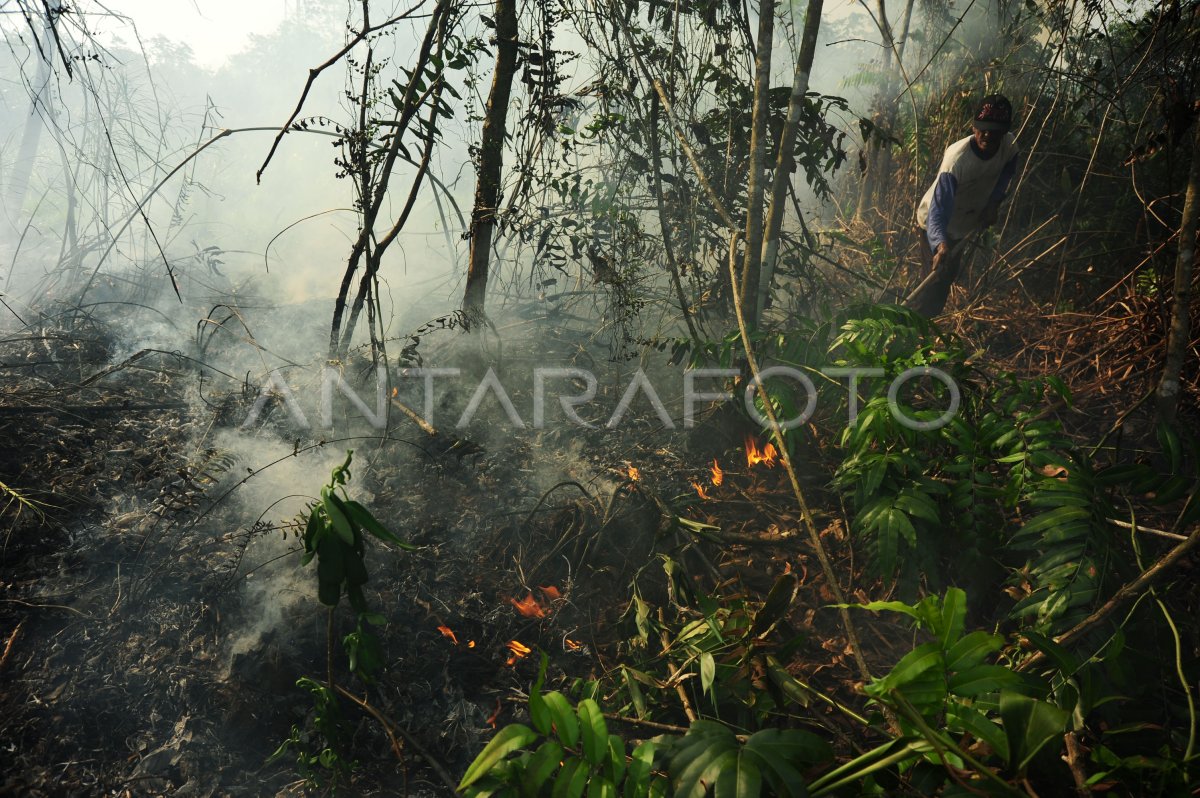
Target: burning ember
(519,651)
(634,474)
(767,455)
(551,593)
(718,476)
(700,491)
(529,607)
(448,633)
(572,645)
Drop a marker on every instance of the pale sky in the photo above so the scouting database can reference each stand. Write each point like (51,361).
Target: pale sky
(214,29)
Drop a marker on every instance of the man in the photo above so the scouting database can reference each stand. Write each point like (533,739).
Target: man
(971,182)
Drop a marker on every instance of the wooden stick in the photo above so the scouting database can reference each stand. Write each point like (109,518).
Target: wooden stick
(1123,596)
(9,645)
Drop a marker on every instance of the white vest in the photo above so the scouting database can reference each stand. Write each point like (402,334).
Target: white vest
(975,179)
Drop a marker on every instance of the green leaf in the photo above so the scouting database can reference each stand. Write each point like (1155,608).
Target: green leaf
(337,518)
(1029,725)
(792,745)
(971,650)
(539,713)
(507,740)
(637,776)
(743,780)
(960,717)
(982,679)
(571,779)
(565,724)
(540,766)
(912,665)
(708,671)
(776,607)
(601,787)
(363,518)
(954,614)
(615,764)
(593,731)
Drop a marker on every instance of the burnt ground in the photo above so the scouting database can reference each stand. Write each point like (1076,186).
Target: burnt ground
(154,618)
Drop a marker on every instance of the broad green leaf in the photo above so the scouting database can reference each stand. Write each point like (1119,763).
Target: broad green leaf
(571,779)
(913,664)
(954,614)
(593,731)
(337,518)
(743,780)
(565,724)
(1029,725)
(637,776)
(507,740)
(614,766)
(982,679)
(702,770)
(960,717)
(540,766)
(971,650)
(600,787)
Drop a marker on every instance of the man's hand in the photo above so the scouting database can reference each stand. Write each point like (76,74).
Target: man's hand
(989,215)
(939,254)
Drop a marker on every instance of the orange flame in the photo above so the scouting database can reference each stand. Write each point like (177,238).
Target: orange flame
(448,633)
(768,455)
(634,474)
(528,607)
(700,491)
(470,644)
(551,592)
(573,645)
(395,392)
(519,650)
(718,476)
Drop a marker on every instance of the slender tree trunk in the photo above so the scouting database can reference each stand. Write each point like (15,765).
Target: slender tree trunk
(758,158)
(491,157)
(787,142)
(871,177)
(18,181)
(1180,331)
(884,159)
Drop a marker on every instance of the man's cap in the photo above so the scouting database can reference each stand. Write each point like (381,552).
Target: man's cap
(994,113)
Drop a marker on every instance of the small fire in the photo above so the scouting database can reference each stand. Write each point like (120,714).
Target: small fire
(395,392)
(718,476)
(528,607)
(519,651)
(572,645)
(634,474)
(470,644)
(768,455)
(448,633)
(700,491)
(495,715)
(551,593)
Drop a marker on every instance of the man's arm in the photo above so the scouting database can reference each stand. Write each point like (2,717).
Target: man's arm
(941,208)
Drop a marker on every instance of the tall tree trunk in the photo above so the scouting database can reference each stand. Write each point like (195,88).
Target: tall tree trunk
(491,157)
(758,158)
(787,142)
(1180,331)
(18,179)
(883,166)
(871,177)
